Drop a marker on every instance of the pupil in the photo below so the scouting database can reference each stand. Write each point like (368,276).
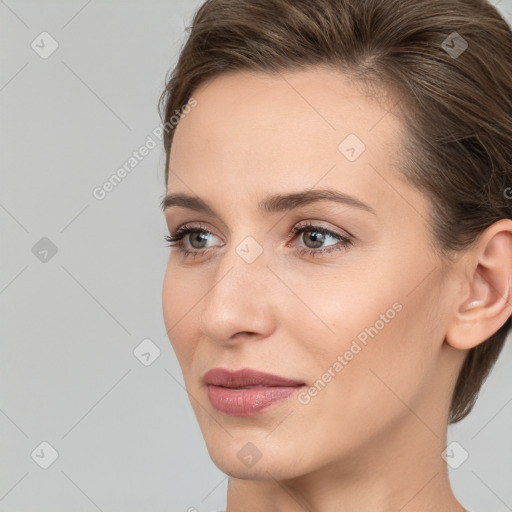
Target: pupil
(317,237)
(198,237)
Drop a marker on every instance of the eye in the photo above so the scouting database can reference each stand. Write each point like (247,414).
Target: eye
(316,237)
(177,239)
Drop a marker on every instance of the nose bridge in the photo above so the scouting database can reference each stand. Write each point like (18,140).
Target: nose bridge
(242,273)
(238,299)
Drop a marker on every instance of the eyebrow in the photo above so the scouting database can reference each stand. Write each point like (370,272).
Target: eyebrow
(271,204)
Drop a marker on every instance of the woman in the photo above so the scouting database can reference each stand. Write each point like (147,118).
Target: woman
(339,207)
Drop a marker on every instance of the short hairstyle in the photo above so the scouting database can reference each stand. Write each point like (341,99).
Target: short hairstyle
(447,62)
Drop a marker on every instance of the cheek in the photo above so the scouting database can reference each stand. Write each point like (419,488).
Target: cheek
(335,310)
(370,336)
(385,365)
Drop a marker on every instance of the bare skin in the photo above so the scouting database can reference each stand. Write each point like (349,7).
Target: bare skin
(371,439)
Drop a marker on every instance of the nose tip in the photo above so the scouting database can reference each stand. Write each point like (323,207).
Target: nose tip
(237,307)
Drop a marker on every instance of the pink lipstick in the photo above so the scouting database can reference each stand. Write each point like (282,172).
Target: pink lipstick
(246,392)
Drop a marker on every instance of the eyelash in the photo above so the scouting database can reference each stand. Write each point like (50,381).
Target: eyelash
(176,240)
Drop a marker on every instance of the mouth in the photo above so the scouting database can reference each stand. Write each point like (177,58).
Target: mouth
(246,378)
(247,392)
(245,387)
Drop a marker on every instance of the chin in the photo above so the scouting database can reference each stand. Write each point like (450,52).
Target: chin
(242,459)
(262,470)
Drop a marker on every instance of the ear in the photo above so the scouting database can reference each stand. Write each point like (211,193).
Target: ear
(486,301)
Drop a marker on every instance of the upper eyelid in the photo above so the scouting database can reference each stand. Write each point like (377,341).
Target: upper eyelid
(201,226)
(301,225)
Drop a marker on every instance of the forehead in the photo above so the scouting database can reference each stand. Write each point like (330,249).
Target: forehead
(255,132)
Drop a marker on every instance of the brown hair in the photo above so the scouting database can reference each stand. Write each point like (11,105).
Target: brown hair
(456,101)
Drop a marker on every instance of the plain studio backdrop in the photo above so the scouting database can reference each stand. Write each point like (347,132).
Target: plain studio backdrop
(93,413)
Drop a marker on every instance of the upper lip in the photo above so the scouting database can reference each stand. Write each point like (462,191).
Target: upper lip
(246,377)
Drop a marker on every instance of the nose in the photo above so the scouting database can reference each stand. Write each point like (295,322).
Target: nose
(240,302)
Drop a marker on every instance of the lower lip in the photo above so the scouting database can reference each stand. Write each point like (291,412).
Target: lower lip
(246,402)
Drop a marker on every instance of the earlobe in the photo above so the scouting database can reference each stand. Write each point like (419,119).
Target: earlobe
(487,302)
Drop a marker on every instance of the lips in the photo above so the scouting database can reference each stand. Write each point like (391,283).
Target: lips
(246,378)
(246,392)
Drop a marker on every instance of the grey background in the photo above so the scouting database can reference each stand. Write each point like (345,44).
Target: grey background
(125,433)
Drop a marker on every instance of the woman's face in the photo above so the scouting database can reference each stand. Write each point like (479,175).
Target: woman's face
(356,314)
